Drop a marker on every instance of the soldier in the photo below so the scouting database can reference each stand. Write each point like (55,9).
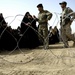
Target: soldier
(66,20)
(43,18)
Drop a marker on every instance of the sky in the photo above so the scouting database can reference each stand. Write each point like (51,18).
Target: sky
(11,8)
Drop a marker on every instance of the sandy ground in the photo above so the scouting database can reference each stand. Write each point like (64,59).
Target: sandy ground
(54,61)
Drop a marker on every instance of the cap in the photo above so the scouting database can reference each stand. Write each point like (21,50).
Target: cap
(39,5)
(63,3)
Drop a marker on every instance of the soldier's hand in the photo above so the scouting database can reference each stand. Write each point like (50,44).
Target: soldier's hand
(71,20)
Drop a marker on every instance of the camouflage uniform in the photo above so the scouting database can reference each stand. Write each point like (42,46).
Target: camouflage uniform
(43,18)
(66,26)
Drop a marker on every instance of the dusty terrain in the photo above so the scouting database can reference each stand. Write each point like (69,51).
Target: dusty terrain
(54,61)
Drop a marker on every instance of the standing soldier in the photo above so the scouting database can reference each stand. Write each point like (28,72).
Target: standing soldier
(66,20)
(43,18)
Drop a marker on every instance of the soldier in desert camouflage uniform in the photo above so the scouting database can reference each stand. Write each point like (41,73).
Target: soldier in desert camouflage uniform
(66,21)
(43,18)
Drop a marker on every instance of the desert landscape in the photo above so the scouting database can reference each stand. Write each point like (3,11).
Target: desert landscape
(54,61)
